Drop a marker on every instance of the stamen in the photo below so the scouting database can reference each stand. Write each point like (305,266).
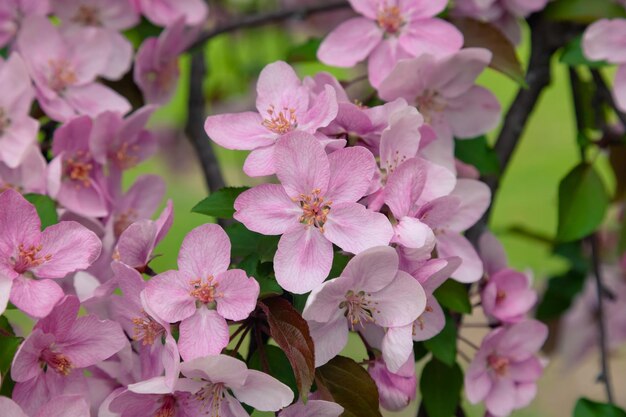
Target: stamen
(61,75)
(499,364)
(390,19)
(314,209)
(125,157)
(359,309)
(5,121)
(430,104)
(210,398)
(500,296)
(281,122)
(205,292)
(146,330)
(123,220)
(78,169)
(168,409)
(27,258)
(57,361)
(420,320)
(87,16)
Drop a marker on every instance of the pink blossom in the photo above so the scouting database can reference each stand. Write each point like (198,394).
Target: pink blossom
(504,371)
(395,390)
(203,294)
(313,408)
(59,346)
(64,67)
(167,12)
(18,131)
(314,207)
(445,94)
(28,177)
(508,296)
(605,40)
(284,105)
(13,12)
(370,290)
(31,257)
(61,406)
(156,65)
(388,32)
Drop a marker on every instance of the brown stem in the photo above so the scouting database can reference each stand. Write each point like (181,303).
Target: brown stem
(605,93)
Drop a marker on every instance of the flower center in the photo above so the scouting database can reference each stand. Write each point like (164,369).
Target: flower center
(57,361)
(281,122)
(28,257)
(390,19)
(420,320)
(146,329)
(314,209)
(205,292)
(61,75)
(123,220)
(430,104)
(126,156)
(168,409)
(78,168)
(499,364)
(359,308)
(500,296)
(210,398)
(5,121)
(87,16)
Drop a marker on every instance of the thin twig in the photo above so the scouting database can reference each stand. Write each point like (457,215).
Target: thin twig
(607,96)
(468,342)
(241,339)
(579,111)
(266,18)
(605,376)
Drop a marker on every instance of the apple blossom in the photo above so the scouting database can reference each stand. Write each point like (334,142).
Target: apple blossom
(167,12)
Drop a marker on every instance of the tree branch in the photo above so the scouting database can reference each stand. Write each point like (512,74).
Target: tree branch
(605,376)
(194,128)
(272,17)
(606,94)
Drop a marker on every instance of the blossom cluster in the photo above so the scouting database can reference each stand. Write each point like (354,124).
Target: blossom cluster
(376,183)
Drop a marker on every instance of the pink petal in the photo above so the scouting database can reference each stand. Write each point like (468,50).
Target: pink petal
(431,322)
(605,40)
(25,365)
(401,140)
(204,333)
(354,228)
(279,86)
(324,300)
(238,131)
(330,338)
(408,79)
(11,408)
(5,289)
(260,162)
(71,247)
(263,392)
(313,408)
(524,394)
(91,340)
(400,303)
(136,243)
(35,297)
(350,43)
(524,339)
(205,251)
(431,36)
(368,8)
(301,164)
(529,370)
(383,59)
(474,113)
(456,74)
(619,87)
(397,346)
(492,253)
(60,320)
(424,8)
(454,244)
(475,197)
(303,259)
(267,209)
(373,269)
(94,98)
(323,111)
(477,386)
(500,400)
(411,233)
(404,188)
(220,368)
(19,222)
(167,294)
(238,294)
(351,172)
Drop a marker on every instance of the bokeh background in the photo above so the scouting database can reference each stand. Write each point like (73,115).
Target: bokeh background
(525,210)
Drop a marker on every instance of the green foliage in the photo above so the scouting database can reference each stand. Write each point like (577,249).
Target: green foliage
(291,333)
(583,11)
(573,55)
(583,202)
(263,273)
(477,152)
(443,346)
(8,347)
(454,296)
(339,263)
(588,408)
(220,203)
(46,209)
(278,366)
(305,52)
(245,242)
(440,386)
(485,35)
(350,386)
(559,295)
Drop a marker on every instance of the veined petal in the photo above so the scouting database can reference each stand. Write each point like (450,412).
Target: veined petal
(267,209)
(354,228)
(205,251)
(238,294)
(204,333)
(243,131)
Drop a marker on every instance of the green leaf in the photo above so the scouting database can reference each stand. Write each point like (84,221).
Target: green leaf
(583,11)
(245,242)
(440,386)
(573,55)
(8,347)
(278,364)
(264,275)
(291,333)
(453,295)
(478,153)
(443,346)
(485,35)
(220,203)
(339,264)
(559,295)
(46,209)
(587,408)
(305,52)
(350,386)
(583,202)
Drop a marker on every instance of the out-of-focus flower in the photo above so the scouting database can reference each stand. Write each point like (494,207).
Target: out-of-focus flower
(28,177)
(167,12)
(13,12)
(60,406)
(313,408)
(395,389)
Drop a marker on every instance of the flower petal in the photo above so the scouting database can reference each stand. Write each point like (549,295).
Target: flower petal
(267,209)
(400,303)
(238,131)
(350,43)
(168,296)
(351,173)
(204,333)
(431,36)
(453,244)
(238,294)
(263,392)
(354,228)
(205,251)
(35,297)
(373,269)
(397,346)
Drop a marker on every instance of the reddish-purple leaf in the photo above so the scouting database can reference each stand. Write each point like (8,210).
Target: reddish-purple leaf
(350,386)
(291,333)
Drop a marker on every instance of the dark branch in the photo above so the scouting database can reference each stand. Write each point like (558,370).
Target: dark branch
(195,124)
(605,376)
(604,92)
(272,17)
